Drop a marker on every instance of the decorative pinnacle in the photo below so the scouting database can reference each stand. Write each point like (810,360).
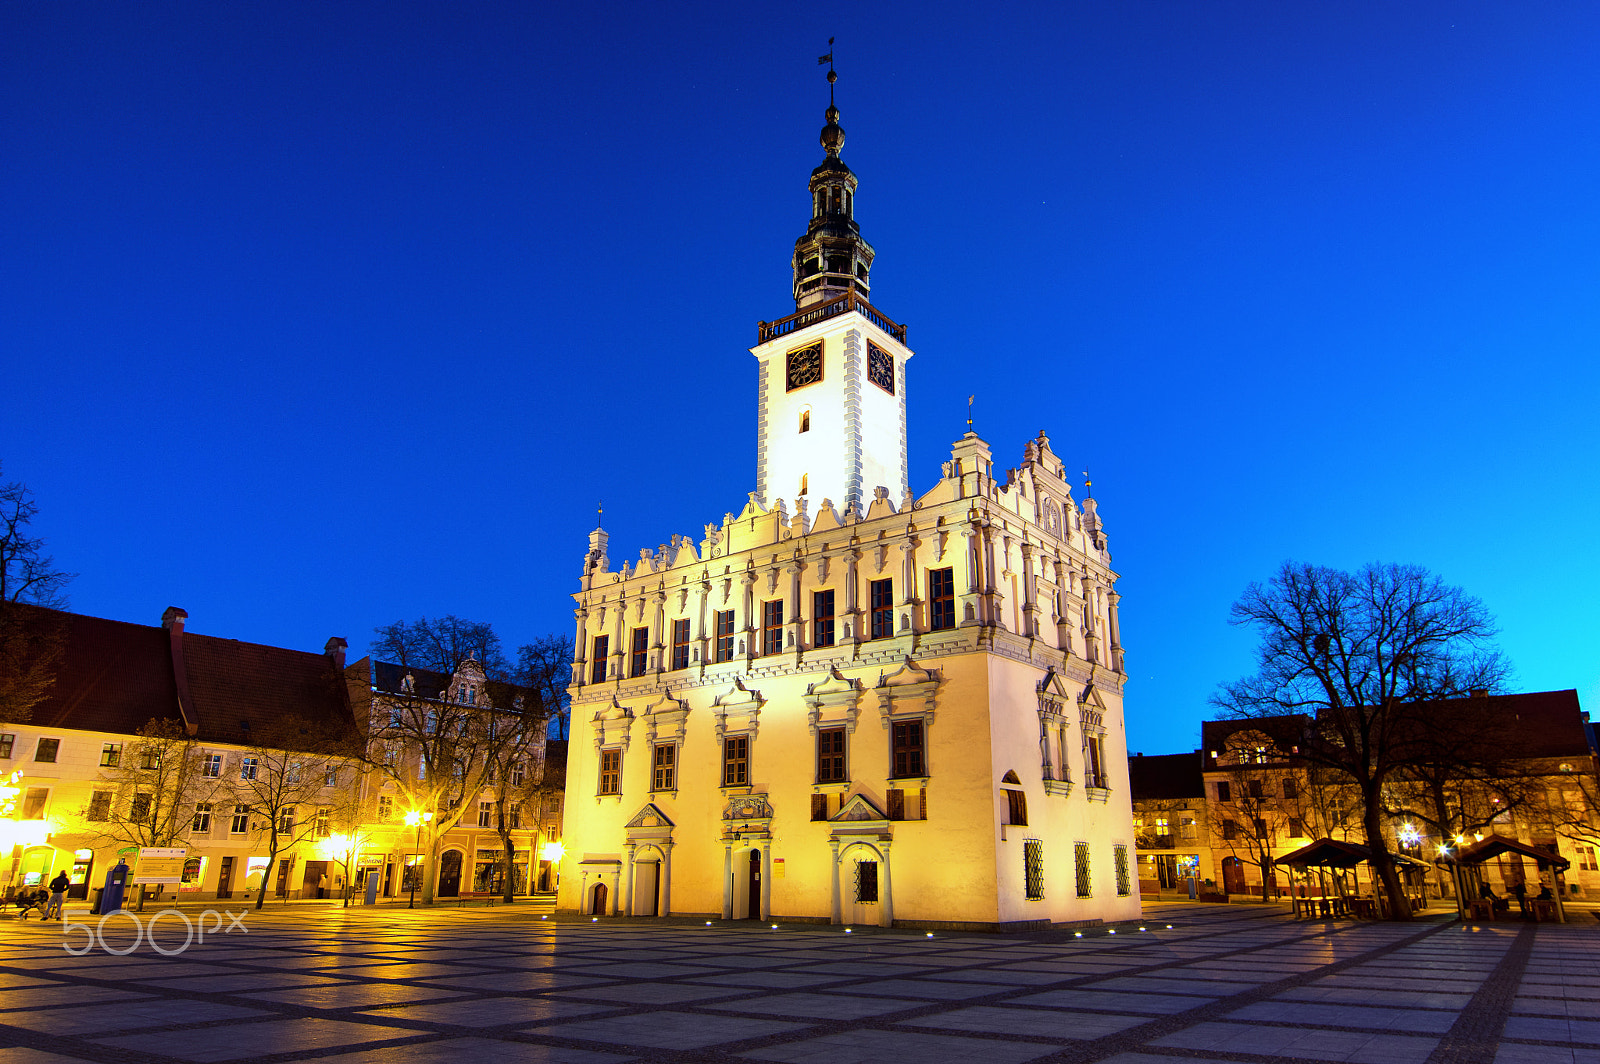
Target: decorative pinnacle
(832,133)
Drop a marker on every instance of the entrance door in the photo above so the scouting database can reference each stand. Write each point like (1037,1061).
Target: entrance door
(450,874)
(646,880)
(597,902)
(864,899)
(283,878)
(225,879)
(753,909)
(81,869)
(311,882)
(1233,875)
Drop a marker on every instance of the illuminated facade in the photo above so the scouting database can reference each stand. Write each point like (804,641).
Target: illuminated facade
(848,702)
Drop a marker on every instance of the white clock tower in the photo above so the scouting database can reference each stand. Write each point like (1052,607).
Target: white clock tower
(831,413)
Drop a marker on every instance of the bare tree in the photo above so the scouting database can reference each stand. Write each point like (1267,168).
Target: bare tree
(1260,800)
(1364,655)
(288,771)
(31,641)
(544,667)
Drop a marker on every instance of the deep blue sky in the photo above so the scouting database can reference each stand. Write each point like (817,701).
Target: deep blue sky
(316,316)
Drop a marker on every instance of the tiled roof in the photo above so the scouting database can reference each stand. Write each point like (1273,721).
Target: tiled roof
(1165,776)
(117,677)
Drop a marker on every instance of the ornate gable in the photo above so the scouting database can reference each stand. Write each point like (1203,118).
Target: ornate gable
(910,689)
(738,709)
(650,816)
(612,724)
(834,700)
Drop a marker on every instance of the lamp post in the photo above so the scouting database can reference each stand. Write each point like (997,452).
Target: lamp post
(416,819)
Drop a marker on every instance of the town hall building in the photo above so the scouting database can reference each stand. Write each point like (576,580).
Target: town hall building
(850,702)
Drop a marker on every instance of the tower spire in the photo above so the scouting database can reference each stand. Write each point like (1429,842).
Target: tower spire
(831,259)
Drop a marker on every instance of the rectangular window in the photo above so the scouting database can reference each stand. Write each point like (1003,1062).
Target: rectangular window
(724,648)
(519,772)
(1124,883)
(7,741)
(100,806)
(907,739)
(830,755)
(211,766)
(1186,828)
(664,770)
(597,660)
(247,768)
(110,755)
(736,761)
(897,803)
(486,814)
(385,808)
(639,658)
(1255,788)
(139,808)
(330,777)
(1096,774)
(286,821)
(324,823)
(680,643)
(772,627)
(1591,859)
(866,881)
(202,818)
(611,771)
(882,609)
(819,807)
(941,599)
(1296,829)
(1291,789)
(822,618)
(33,803)
(1017,811)
(1033,868)
(1261,828)
(241,820)
(1224,792)
(516,816)
(1230,830)
(1080,862)
(150,758)
(46,750)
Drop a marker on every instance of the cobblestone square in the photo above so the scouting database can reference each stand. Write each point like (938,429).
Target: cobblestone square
(1222,983)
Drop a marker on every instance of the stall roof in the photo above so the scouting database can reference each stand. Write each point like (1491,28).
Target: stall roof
(1332,853)
(1495,845)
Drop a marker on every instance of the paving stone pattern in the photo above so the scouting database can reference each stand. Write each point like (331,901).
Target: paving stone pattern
(1242,984)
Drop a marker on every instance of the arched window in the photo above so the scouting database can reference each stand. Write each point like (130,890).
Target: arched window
(805,420)
(803,480)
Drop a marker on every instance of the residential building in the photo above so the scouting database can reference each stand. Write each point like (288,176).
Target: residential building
(850,702)
(1171,828)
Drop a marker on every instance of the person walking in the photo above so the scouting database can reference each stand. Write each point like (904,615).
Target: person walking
(1521,892)
(58,895)
(322,886)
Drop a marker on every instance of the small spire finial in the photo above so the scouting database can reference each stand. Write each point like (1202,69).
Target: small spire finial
(1088,485)
(600,511)
(970,398)
(832,134)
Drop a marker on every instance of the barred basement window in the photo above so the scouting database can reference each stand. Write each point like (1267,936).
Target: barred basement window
(867,881)
(1033,868)
(1080,860)
(1124,884)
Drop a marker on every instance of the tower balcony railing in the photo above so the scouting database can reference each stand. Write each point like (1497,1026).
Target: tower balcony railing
(771,330)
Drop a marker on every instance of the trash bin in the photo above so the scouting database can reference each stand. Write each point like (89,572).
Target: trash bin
(94,902)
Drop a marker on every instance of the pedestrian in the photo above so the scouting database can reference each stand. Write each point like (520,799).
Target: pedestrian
(322,886)
(1521,893)
(58,895)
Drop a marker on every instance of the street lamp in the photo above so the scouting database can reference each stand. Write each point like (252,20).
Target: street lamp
(416,819)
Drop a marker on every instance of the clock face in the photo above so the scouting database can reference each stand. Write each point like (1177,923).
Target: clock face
(805,367)
(880,367)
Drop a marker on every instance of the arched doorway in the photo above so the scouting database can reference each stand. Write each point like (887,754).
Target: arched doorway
(861,885)
(450,874)
(597,900)
(1233,875)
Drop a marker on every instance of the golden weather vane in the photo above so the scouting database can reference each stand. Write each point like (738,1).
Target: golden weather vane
(1088,485)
